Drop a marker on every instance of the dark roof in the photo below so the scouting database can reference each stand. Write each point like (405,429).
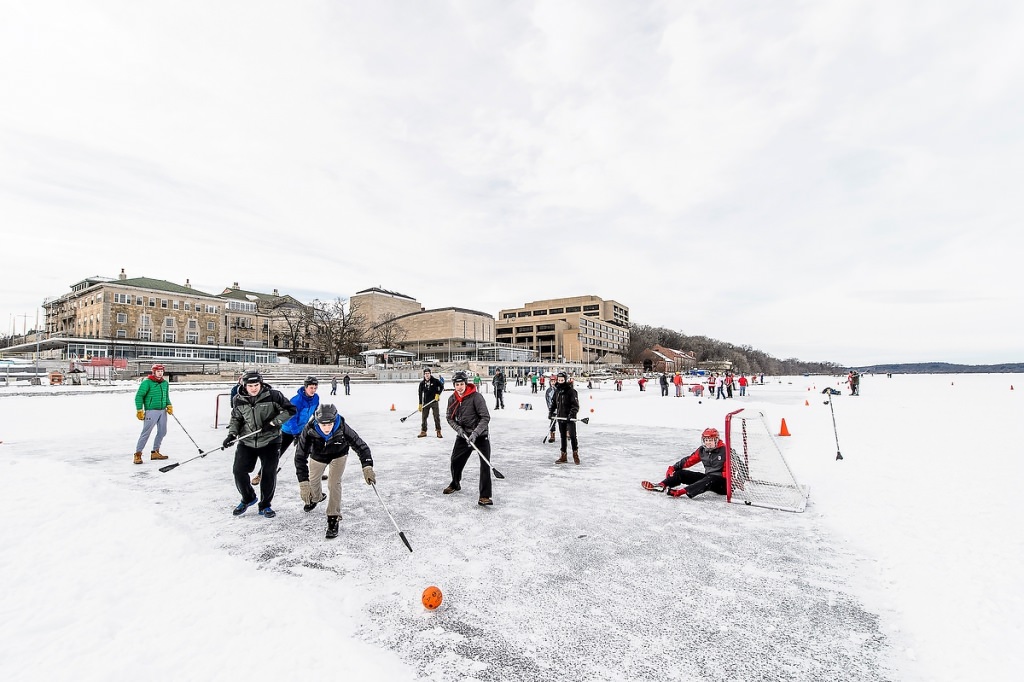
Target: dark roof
(160,285)
(384,291)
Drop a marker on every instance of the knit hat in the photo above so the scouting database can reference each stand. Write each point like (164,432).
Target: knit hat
(325,414)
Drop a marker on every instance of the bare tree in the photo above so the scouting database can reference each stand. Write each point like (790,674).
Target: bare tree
(388,333)
(336,331)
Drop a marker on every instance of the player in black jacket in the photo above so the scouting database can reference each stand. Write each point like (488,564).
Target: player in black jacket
(324,444)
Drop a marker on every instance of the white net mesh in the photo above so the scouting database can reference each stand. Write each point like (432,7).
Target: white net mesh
(757,471)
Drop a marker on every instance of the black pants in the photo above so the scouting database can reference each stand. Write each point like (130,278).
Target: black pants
(664,389)
(460,456)
(499,398)
(696,482)
(568,428)
(245,462)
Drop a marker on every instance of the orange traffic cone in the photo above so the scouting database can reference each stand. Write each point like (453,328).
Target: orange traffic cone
(806,403)
(783,431)
(392,407)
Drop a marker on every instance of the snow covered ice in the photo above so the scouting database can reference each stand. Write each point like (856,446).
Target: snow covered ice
(899,569)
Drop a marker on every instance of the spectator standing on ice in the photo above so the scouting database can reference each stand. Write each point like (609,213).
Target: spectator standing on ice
(711,454)
(564,408)
(729,381)
(428,393)
(262,410)
(324,444)
(549,400)
(468,416)
(678,381)
(641,382)
(498,381)
(663,380)
(152,405)
(533,382)
(743,384)
(347,380)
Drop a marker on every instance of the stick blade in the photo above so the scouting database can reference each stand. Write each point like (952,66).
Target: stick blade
(167,468)
(497,474)
(401,534)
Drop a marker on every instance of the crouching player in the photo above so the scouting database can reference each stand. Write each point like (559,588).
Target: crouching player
(324,444)
(712,454)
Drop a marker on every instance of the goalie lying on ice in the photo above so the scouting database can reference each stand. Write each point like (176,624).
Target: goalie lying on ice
(712,454)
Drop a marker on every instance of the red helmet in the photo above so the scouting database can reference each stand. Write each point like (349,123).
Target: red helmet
(158,366)
(710,432)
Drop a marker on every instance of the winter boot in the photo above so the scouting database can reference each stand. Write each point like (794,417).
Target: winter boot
(551,437)
(452,487)
(423,434)
(562,459)
(485,502)
(156,455)
(439,434)
(138,458)
(575,456)
(332,527)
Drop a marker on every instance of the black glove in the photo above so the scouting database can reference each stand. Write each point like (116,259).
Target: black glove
(269,426)
(229,441)
(551,416)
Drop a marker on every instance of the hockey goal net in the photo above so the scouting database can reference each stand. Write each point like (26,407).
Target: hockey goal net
(756,472)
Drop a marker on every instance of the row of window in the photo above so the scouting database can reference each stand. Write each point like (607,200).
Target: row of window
(128,299)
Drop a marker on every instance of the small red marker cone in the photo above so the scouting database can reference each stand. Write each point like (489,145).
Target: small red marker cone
(392,407)
(783,431)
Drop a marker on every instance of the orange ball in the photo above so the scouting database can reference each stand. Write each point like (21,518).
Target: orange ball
(432,597)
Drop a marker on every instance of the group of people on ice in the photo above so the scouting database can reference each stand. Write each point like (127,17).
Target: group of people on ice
(264,424)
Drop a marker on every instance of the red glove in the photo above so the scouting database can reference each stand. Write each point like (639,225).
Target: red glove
(670,472)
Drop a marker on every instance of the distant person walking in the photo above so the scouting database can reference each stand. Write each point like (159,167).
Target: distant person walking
(743,384)
(347,380)
(334,385)
(152,405)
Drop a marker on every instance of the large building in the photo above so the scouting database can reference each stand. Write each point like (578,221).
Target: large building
(585,329)
(145,317)
(450,334)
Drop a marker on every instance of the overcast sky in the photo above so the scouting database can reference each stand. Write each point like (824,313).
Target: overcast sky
(827,181)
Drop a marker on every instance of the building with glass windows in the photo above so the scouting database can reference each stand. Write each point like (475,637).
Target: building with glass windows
(586,329)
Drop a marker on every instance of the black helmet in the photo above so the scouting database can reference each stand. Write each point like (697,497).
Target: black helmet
(325,413)
(252,377)
(562,375)
(460,376)
(310,381)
